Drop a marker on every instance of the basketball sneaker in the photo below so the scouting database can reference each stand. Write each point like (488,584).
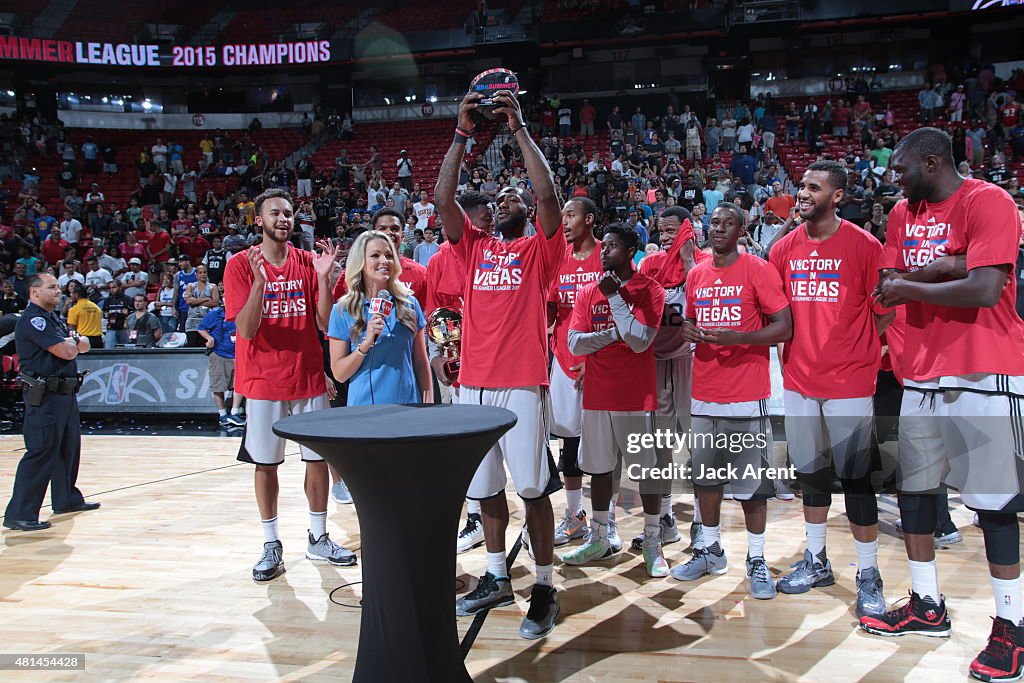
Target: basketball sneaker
(1003,657)
(808,573)
(614,540)
(869,592)
(235,420)
(271,562)
(490,592)
(597,548)
(324,549)
(654,555)
(943,537)
(669,532)
(696,535)
(759,579)
(571,527)
(472,535)
(525,536)
(543,613)
(919,615)
(703,562)
(340,494)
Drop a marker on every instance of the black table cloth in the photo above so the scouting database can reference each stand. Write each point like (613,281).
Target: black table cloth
(408,468)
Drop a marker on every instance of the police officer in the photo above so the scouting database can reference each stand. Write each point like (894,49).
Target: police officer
(47,352)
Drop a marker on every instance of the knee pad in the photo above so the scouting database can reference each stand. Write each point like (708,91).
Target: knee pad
(919,512)
(861,504)
(571,456)
(816,488)
(1002,537)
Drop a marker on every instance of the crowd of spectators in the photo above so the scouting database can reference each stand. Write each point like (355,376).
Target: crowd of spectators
(170,246)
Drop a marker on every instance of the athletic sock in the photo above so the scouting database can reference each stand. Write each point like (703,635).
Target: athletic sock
(652,521)
(601,516)
(1007,596)
(236,411)
(317,524)
(666,505)
(574,501)
(270,532)
(867,554)
(222,412)
(496,564)
(696,511)
(472,507)
(924,579)
(755,545)
(611,507)
(816,540)
(713,538)
(544,573)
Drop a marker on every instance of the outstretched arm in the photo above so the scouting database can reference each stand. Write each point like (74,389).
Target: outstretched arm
(549,210)
(452,215)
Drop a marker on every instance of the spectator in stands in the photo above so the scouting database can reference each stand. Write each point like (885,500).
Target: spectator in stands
(219,337)
(67,179)
(158,248)
(405,166)
(426,249)
(99,223)
(159,155)
(19,279)
(69,275)
(84,316)
(216,260)
(70,227)
(116,308)
(587,116)
(200,297)
(90,156)
(142,328)
(11,301)
(109,155)
(52,248)
(110,259)
(164,303)
(304,170)
(192,245)
(423,210)
(96,278)
(185,276)
(997,174)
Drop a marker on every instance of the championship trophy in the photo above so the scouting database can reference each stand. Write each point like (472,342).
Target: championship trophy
(488,83)
(444,327)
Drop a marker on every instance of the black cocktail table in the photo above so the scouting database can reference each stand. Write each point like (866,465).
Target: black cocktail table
(422,457)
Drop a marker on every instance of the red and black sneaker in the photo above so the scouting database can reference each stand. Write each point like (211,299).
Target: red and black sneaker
(919,615)
(1003,657)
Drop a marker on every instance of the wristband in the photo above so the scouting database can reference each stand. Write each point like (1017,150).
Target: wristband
(460,139)
(359,350)
(464,132)
(518,129)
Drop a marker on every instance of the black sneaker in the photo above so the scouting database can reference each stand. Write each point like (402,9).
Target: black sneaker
(1003,657)
(490,592)
(543,613)
(919,615)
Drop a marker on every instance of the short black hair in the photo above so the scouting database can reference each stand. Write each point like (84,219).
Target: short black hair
(629,236)
(678,212)
(926,142)
(35,280)
(387,212)
(736,211)
(471,199)
(587,205)
(837,173)
(274,193)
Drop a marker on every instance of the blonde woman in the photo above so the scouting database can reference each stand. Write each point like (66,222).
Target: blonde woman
(384,357)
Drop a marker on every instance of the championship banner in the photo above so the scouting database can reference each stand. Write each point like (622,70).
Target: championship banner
(17,48)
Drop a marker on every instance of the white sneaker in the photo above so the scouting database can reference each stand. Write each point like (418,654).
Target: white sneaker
(472,535)
(340,494)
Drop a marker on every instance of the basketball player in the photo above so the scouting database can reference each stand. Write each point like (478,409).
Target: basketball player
(672,353)
(446,282)
(613,324)
(414,275)
(728,300)
(580,266)
(963,362)
(830,369)
(504,356)
(278,296)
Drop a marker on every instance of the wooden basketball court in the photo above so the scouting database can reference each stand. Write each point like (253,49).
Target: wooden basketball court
(157,585)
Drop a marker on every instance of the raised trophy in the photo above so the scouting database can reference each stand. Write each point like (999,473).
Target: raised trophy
(444,327)
(489,82)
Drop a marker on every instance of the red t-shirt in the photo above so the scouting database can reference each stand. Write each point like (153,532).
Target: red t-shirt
(414,276)
(572,276)
(979,220)
(780,205)
(835,352)
(158,241)
(1010,113)
(504,326)
(739,298)
(895,339)
(284,361)
(446,280)
(53,250)
(617,377)
(840,117)
(143,237)
(193,247)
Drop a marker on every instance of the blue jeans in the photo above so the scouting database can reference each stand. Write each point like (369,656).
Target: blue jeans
(111,338)
(168,324)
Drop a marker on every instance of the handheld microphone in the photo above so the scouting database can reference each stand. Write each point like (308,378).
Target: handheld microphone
(382,304)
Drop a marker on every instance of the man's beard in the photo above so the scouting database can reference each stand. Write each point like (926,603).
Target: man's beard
(511,225)
(269,234)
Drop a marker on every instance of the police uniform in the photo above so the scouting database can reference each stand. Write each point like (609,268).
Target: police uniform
(51,429)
